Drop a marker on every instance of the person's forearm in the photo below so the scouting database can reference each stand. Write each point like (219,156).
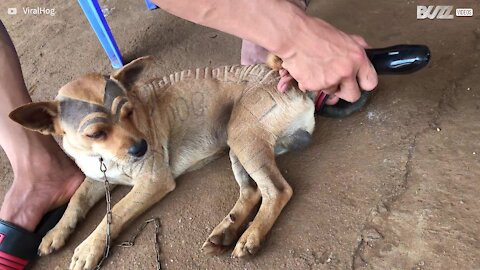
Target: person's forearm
(316,54)
(268,23)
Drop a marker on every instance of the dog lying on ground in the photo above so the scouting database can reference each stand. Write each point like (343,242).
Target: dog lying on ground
(150,135)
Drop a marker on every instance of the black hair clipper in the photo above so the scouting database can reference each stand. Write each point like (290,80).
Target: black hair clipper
(395,60)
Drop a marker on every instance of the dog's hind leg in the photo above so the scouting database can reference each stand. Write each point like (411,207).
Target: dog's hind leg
(89,193)
(226,233)
(254,147)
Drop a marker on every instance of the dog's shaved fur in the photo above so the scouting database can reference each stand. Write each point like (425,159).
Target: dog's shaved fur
(150,135)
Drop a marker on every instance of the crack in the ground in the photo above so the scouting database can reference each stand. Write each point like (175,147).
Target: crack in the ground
(357,259)
(434,122)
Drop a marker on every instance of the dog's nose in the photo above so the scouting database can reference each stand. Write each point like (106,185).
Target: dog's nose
(138,149)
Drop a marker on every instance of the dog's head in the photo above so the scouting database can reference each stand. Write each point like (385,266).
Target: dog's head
(93,114)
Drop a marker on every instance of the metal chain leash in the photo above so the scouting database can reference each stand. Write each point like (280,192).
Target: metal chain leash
(131,242)
(103,169)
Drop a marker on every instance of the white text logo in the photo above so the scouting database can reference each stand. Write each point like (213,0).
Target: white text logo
(434,12)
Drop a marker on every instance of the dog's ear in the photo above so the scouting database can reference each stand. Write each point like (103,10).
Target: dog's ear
(38,116)
(131,72)
(274,62)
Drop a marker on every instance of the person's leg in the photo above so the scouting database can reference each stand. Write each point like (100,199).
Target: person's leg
(253,54)
(44,177)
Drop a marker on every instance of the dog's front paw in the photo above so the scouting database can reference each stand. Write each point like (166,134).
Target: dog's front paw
(248,244)
(53,240)
(88,254)
(223,236)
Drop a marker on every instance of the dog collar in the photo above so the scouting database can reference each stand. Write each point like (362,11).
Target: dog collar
(320,100)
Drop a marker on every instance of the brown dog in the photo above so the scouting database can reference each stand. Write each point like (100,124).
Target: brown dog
(150,135)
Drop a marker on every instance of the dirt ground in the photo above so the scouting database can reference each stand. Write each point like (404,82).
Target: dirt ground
(394,186)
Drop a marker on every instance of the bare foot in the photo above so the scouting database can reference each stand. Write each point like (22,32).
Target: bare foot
(41,183)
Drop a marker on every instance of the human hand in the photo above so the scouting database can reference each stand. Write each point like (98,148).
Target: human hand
(321,57)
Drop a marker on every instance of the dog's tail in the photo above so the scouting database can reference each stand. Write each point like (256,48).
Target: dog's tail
(274,62)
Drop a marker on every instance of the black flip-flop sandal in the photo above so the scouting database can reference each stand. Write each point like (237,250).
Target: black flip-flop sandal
(395,60)
(18,247)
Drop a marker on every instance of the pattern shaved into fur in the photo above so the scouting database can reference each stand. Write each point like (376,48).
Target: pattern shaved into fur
(186,119)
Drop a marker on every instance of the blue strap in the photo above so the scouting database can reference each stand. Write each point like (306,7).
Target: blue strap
(150,5)
(100,27)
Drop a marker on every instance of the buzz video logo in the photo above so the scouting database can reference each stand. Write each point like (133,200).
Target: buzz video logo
(442,12)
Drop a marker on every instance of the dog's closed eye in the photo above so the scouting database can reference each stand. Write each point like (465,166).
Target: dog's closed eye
(97,134)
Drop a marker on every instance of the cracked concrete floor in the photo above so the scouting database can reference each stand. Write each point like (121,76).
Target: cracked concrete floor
(392,187)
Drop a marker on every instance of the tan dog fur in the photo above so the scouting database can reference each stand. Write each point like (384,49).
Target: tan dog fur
(187,119)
